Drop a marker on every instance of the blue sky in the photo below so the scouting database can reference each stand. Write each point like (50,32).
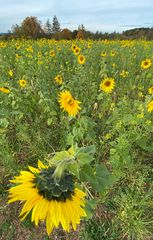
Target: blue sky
(102,15)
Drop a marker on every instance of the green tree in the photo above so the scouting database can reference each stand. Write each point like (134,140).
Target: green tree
(55,25)
(48,27)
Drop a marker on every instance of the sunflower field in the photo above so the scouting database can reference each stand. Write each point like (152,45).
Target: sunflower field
(76,140)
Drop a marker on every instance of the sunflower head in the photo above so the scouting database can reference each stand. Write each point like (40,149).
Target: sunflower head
(89,45)
(73,47)
(77,50)
(146,64)
(17,45)
(58,79)
(103,54)
(56,202)
(68,103)
(52,53)
(55,189)
(112,53)
(81,59)
(22,83)
(3,44)
(107,85)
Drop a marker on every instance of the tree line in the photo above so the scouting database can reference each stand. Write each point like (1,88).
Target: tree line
(32,28)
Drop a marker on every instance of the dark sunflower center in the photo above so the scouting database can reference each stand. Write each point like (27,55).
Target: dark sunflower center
(53,190)
(107,83)
(71,102)
(146,63)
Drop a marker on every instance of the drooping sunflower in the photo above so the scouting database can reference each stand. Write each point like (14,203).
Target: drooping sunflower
(150,90)
(150,106)
(56,202)
(146,64)
(107,85)
(68,103)
(5,90)
(58,79)
(22,83)
(81,59)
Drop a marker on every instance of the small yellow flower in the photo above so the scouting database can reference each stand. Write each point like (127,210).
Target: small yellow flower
(107,85)
(150,106)
(146,64)
(124,73)
(22,83)
(112,106)
(140,94)
(81,59)
(40,62)
(148,122)
(141,115)
(150,90)
(10,72)
(108,136)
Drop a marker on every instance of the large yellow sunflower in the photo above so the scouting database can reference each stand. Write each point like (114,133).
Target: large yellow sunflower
(68,103)
(56,202)
(107,85)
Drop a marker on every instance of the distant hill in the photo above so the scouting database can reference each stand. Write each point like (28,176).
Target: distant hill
(139,33)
